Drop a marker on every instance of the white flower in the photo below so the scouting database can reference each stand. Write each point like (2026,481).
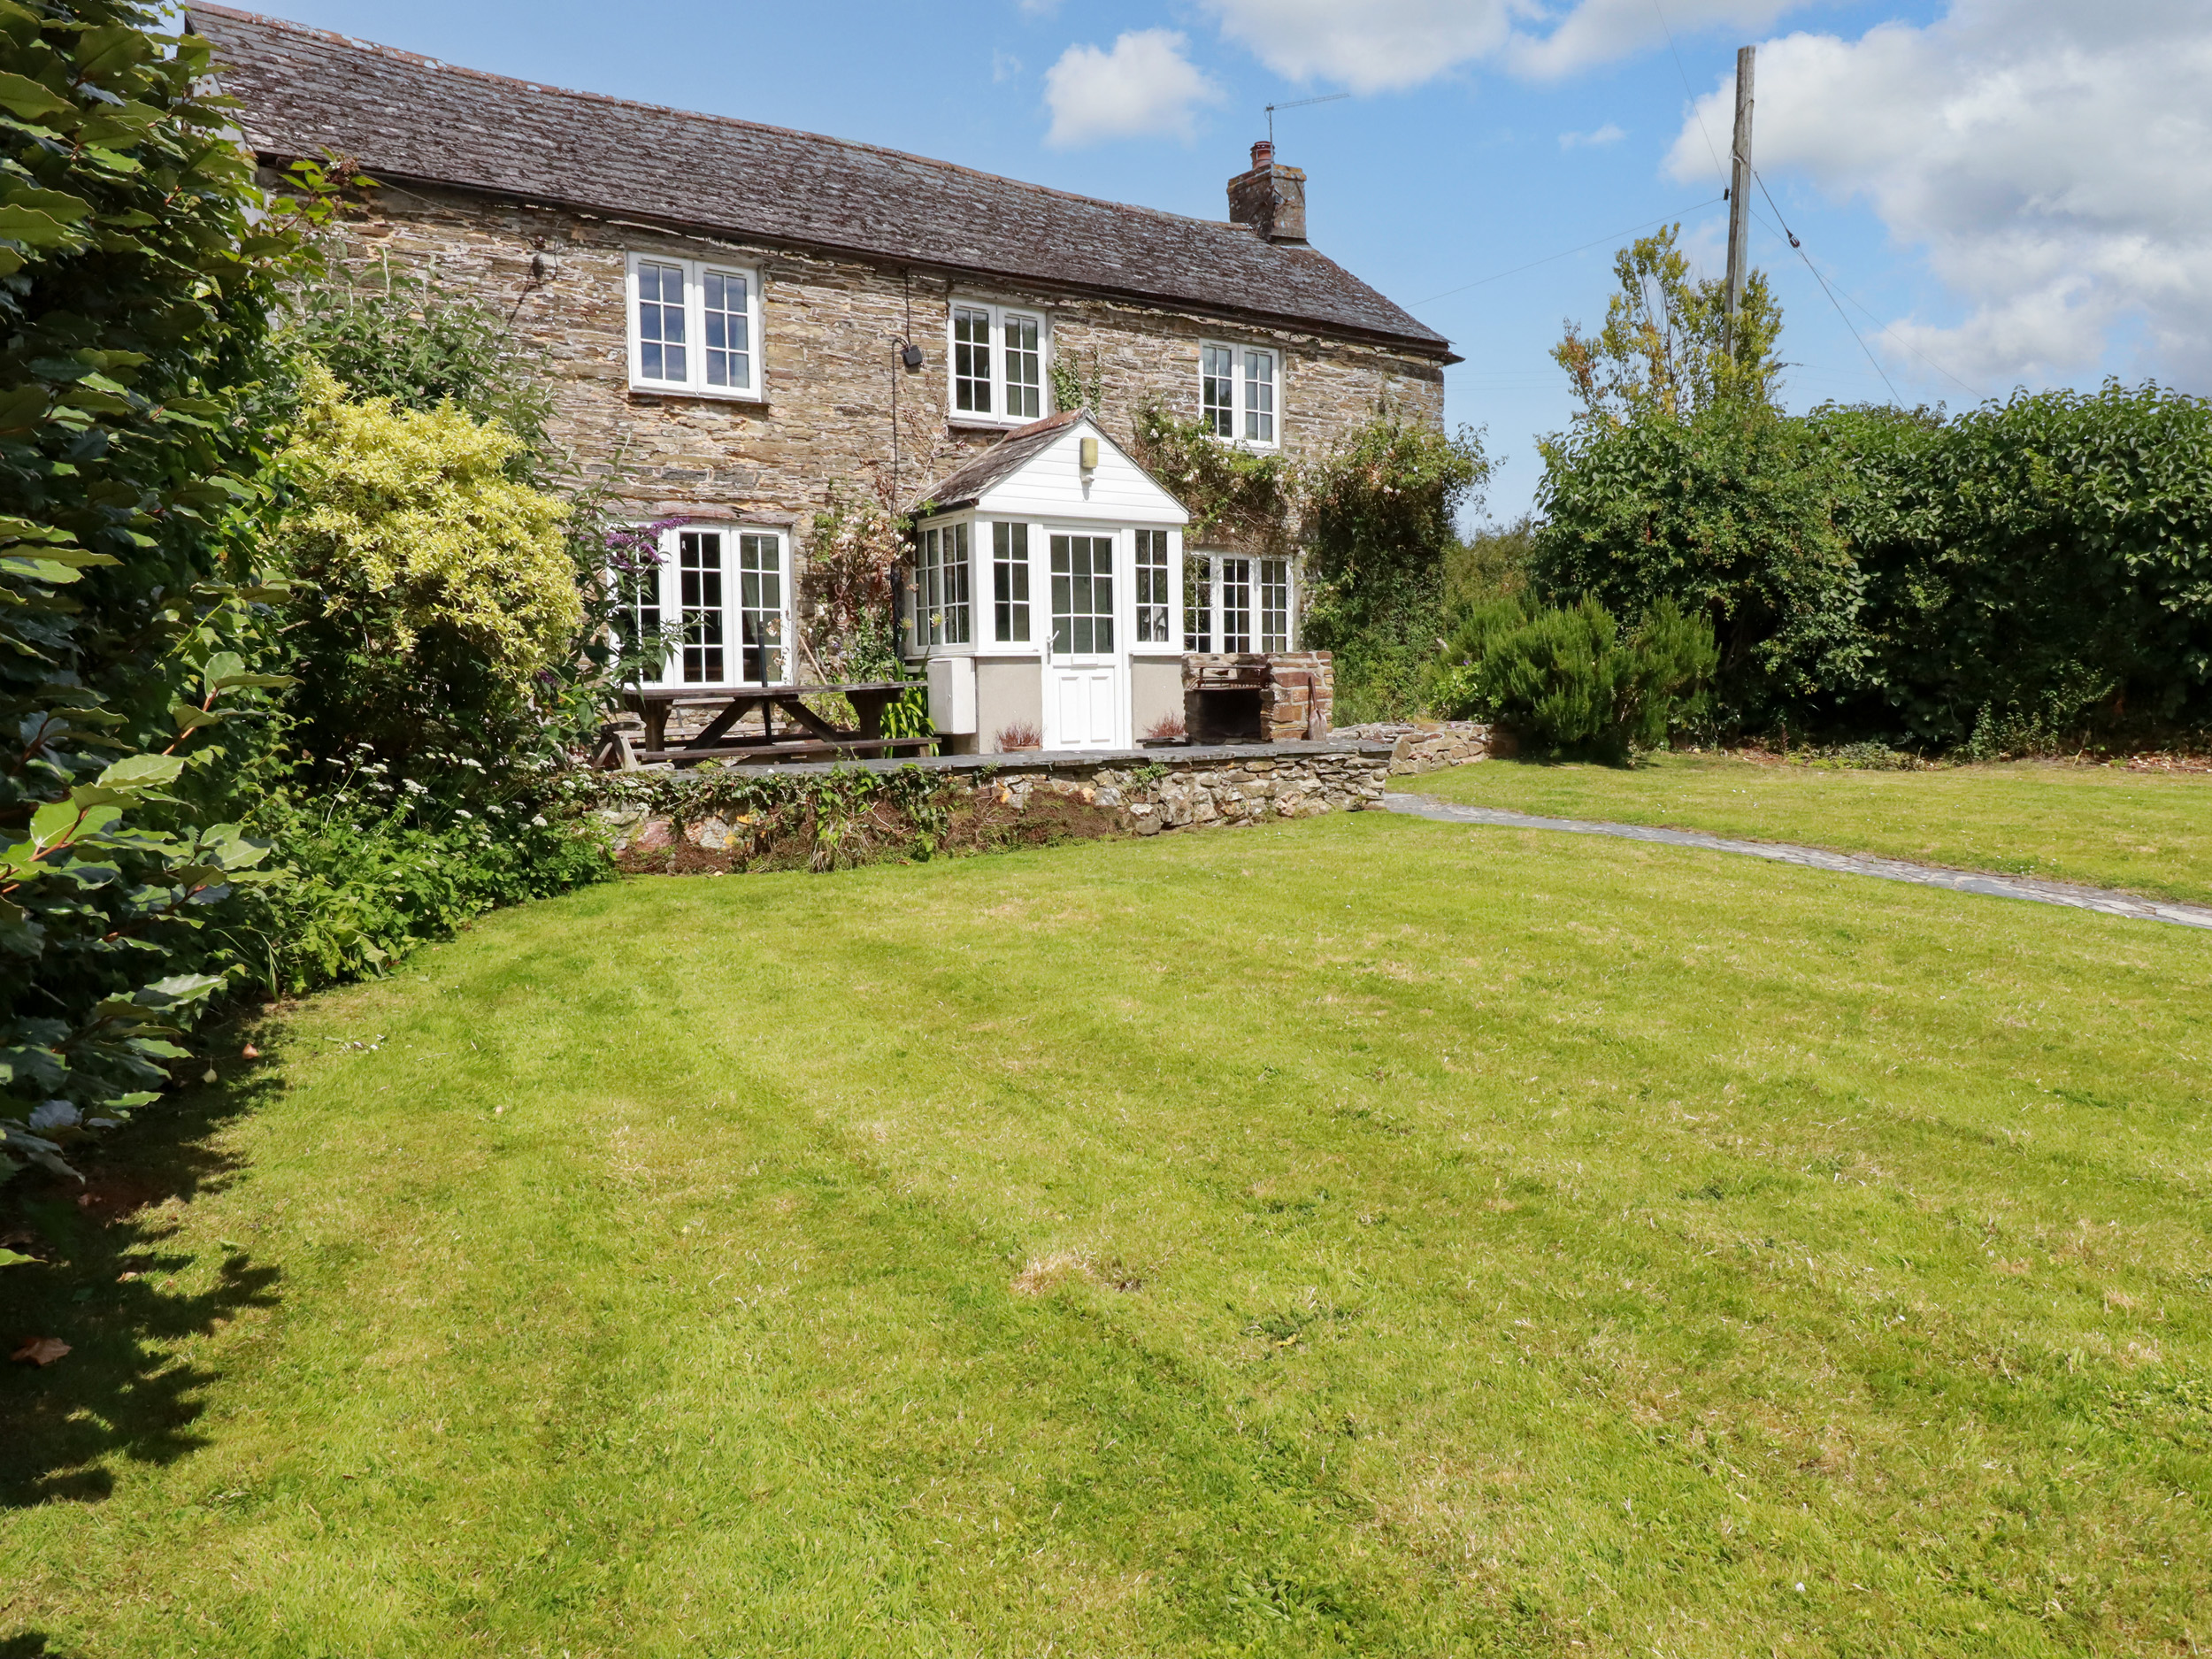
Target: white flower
(463,812)
(538,821)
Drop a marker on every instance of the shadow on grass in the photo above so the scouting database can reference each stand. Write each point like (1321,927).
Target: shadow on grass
(103,1287)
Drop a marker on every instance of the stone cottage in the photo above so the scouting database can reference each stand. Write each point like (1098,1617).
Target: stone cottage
(741,317)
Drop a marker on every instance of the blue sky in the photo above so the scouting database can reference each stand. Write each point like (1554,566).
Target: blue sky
(2009,192)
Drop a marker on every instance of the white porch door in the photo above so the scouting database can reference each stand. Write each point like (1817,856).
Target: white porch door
(1083,694)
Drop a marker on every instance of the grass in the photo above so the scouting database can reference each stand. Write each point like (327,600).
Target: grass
(1362,1235)
(2146,831)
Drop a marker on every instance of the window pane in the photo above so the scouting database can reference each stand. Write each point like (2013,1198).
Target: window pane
(1259,396)
(1024,378)
(1217,391)
(1236,605)
(660,323)
(1274,605)
(1010,580)
(1062,627)
(1152,600)
(1198,603)
(728,330)
(639,621)
(1083,594)
(956,572)
(699,587)
(972,360)
(761,622)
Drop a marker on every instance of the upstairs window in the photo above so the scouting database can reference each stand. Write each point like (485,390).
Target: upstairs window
(1238,393)
(695,328)
(998,364)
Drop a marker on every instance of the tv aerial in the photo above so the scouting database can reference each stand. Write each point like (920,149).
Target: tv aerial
(1298,103)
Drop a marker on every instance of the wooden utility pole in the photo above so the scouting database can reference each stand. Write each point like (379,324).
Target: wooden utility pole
(1739,188)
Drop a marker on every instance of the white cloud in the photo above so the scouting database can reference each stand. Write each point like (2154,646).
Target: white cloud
(1144,88)
(1385,45)
(1377,46)
(1608,133)
(1603,31)
(2053,160)
(1004,66)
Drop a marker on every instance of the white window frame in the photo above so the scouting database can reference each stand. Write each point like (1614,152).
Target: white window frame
(996,415)
(695,383)
(1204,628)
(668,580)
(1244,407)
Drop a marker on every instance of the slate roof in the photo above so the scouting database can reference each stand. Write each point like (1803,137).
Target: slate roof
(405,117)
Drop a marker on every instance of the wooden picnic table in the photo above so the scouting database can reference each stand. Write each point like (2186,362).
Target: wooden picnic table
(811,735)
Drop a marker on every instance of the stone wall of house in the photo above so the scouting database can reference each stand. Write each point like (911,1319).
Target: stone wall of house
(828,323)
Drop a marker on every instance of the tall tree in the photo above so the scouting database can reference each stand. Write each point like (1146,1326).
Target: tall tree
(1665,349)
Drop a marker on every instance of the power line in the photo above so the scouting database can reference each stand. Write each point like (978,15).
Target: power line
(1563,253)
(1687,91)
(1691,93)
(1842,315)
(1971,390)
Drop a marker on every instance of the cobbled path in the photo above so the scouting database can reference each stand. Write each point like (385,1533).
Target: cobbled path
(2064,893)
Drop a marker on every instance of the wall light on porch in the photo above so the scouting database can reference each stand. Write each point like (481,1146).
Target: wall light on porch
(1087,450)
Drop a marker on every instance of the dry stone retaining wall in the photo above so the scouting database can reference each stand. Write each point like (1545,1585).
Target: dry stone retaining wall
(1418,746)
(1145,791)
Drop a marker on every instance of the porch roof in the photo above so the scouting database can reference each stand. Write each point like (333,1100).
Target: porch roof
(1035,468)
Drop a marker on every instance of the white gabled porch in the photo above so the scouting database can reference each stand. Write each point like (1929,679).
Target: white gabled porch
(1045,596)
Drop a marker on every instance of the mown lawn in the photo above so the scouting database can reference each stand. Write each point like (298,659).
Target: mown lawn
(1362,1235)
(2148,831)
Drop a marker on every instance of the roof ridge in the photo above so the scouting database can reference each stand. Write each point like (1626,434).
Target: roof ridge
(424,60)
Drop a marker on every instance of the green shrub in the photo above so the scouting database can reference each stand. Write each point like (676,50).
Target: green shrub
(1731,514)
(1568,682)
(136,267)
(2036,567)
(378,864)
(1378,517)
(394,336)
(1492,564)
(438,585)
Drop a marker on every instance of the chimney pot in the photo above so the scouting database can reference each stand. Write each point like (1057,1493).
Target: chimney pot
(1263,153)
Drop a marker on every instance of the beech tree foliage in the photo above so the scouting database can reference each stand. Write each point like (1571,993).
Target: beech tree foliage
(136,268)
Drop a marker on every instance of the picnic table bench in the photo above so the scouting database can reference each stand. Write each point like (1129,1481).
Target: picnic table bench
(811,737)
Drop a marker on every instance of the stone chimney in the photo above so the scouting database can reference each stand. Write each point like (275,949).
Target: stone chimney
(1270,199)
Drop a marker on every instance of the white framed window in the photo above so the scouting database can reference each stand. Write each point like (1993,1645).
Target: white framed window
(942,607)
(1240,393)
(1152,607)
(1009,583)
(1233,601)
(997,354)
(695,328)
(717,607)
(1082,595)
